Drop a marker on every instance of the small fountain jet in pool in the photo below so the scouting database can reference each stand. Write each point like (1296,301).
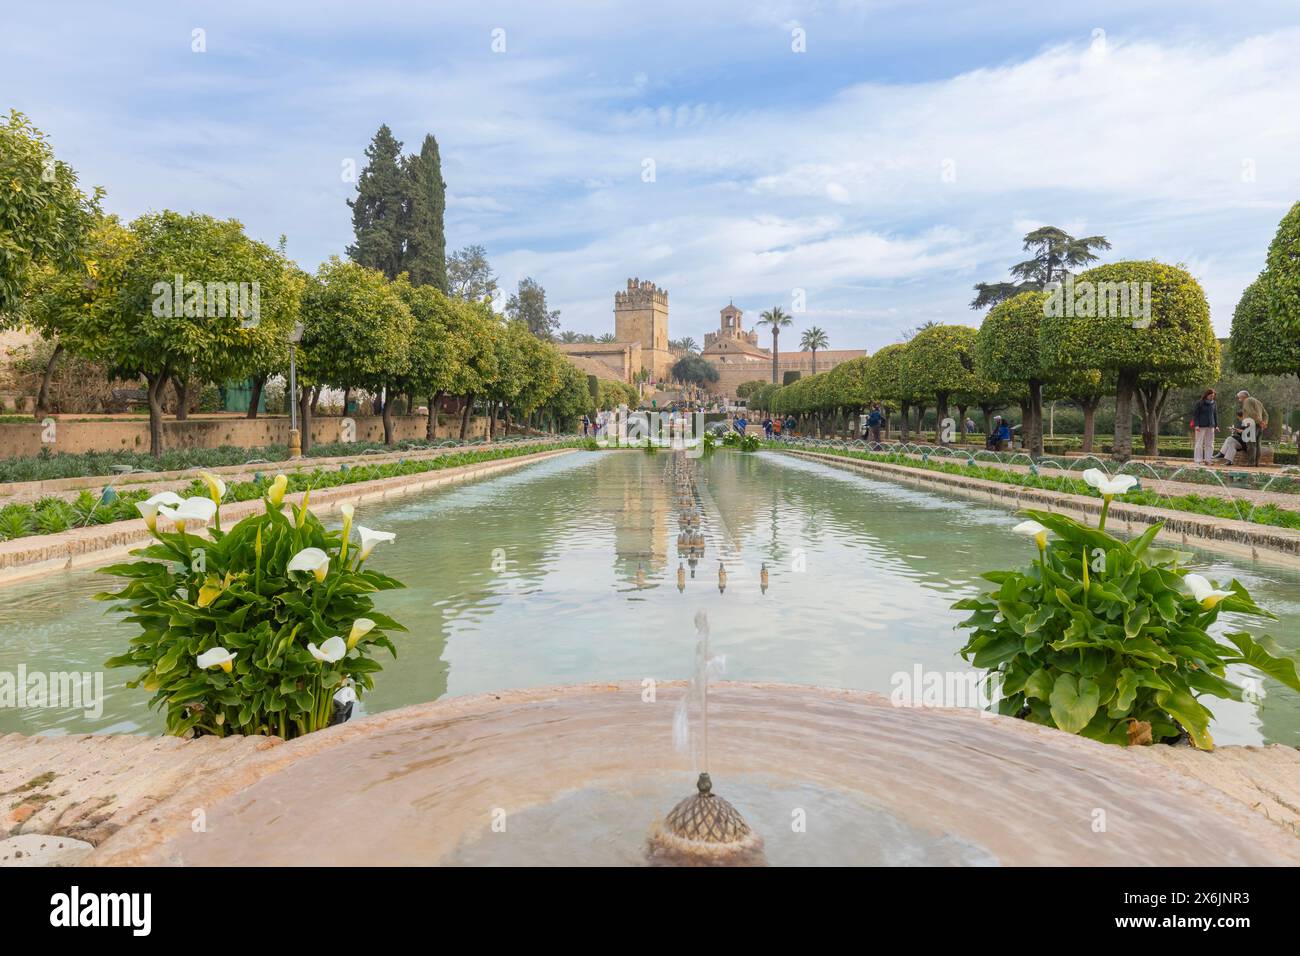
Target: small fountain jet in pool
(704,829)
(722,577)
(762,577)
(681,577)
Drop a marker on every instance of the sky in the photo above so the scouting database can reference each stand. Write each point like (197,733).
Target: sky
(873,159)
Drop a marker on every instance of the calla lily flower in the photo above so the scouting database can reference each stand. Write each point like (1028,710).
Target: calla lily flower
(1033,530)
(1106,485)
(330,651)
(149,507)
(360,628)
(216,657)
(370,538)
(1205,593)
(275,494)
(216,487)
(191,511)
(310,559)
(348,511)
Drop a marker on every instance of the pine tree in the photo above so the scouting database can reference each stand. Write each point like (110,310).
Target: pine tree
(379,211)
(426,245)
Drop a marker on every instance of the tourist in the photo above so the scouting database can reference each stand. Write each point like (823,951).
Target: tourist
(1002,434)
(767,427)
(875,419)
(1233,444)
(586,426)
(790,425)
(1252,410)
(776,426)
(1204,423)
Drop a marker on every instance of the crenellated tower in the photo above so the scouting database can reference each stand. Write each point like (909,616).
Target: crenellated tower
(641,316)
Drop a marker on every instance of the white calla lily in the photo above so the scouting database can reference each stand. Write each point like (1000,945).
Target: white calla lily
(1033,530)
(310,559)
(329,651)
(191,511)
(1207,596)
(216,657)
(360,628)
(149,507)
(370,538)
(1107,485)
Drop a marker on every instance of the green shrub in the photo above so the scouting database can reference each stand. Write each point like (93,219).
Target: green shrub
(1110,639)
(237,642)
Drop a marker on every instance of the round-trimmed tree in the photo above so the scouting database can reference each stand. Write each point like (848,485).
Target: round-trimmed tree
(938,362)
(1007,353)
(1260,343)
(1283,274)
(1147,322)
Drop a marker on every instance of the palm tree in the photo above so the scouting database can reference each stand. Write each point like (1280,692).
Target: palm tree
(811,341)
(568,336)
(606,338)
(688,345)
(778,320)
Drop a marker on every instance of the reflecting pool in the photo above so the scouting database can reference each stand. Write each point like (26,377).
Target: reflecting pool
(567,571)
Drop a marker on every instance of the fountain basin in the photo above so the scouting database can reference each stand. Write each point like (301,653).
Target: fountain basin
(580,774)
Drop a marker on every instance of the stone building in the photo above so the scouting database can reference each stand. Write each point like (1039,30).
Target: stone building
(641,344)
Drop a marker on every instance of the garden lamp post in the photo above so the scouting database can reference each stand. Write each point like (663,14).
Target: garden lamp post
(295,436)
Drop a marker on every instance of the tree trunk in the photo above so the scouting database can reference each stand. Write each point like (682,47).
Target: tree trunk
(940,412)
(431,427)
(1122,449)
(316,394)
(182,389)
(814,368)
(905,409)
(464,415)
(305,406)
(1151,405)
(157,384)
(1034,440)
(388,416)
(505,419)
(255,396)
(1089,422)
(347,399)
(43,396)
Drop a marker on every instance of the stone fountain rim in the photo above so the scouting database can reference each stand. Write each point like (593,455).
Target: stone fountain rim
(140,837)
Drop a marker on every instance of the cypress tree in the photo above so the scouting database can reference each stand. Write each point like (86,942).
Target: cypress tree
(426,244)
(380,207)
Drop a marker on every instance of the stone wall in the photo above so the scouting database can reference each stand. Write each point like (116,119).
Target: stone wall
(75,436)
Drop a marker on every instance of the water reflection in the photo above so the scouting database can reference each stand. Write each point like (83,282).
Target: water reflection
(567,571)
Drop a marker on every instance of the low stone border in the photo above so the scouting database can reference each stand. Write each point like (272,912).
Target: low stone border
(1244,538)
(35,555)
(169,480)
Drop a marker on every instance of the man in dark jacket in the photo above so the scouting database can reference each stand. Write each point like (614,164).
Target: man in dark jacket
(874,421)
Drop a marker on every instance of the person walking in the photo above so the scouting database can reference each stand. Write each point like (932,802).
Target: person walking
(790,425)
(767,427)
(1205,422)
(1252,410)
(874,421)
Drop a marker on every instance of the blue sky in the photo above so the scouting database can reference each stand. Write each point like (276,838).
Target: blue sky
(883,171)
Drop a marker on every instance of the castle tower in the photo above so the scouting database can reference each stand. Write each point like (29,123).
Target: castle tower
(641,316)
